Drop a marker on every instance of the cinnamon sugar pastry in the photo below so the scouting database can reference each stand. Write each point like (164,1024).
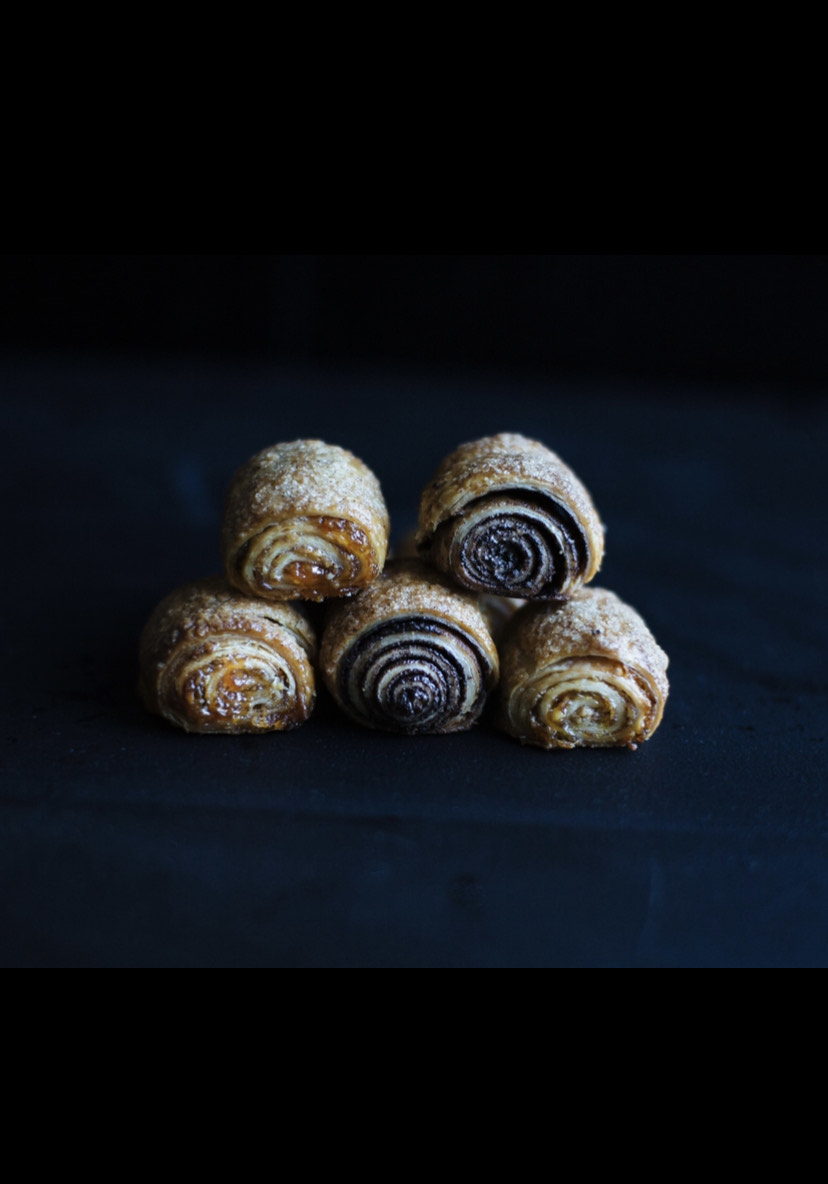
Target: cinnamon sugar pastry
(584,674)
(410,654)
(304,520)
(505,515)
(214,660)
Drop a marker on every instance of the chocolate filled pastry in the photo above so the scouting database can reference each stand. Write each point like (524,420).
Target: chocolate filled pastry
(304,520)
(410,654)
(583,674)
(213,660)
(506,516)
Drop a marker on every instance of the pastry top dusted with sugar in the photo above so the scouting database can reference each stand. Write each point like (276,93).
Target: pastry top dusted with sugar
(594,623)
(198,609)
(305,478)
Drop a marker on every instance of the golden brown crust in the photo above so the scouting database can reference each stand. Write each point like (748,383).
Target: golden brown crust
(214,660)
(304,520)
(411,654)
(505,515)
(587,673)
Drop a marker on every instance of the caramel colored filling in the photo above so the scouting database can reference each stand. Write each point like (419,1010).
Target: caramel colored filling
(584,702)
(236,684)
(310,557)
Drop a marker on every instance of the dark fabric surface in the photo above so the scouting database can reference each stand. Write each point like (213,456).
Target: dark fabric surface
(124,842)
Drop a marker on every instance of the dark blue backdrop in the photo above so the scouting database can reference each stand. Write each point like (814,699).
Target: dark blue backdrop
(687,392)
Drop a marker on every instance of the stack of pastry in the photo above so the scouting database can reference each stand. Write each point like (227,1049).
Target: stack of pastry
(304,521)
(495,592)
(578,667)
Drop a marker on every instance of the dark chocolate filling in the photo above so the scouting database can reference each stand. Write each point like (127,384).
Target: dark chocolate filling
(509,554)
(412,684)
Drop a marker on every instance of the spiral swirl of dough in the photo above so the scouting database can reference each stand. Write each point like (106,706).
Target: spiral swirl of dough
(584,703)
(310,558)
(304,520)
(215,661)
(504,515)
(410,654)
(585,674)
(413,676)
(510,547)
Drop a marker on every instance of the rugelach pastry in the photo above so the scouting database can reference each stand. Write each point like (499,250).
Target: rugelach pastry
(587,673)
(410,654)
(505,515)
(214,660)
(304,520)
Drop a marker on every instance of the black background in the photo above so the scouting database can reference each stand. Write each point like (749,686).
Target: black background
(687,391)
(705,318)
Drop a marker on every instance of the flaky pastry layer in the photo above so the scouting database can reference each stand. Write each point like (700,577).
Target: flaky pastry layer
(410,654)
(505,515)
(214,660)
(304,520)
(588,673)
